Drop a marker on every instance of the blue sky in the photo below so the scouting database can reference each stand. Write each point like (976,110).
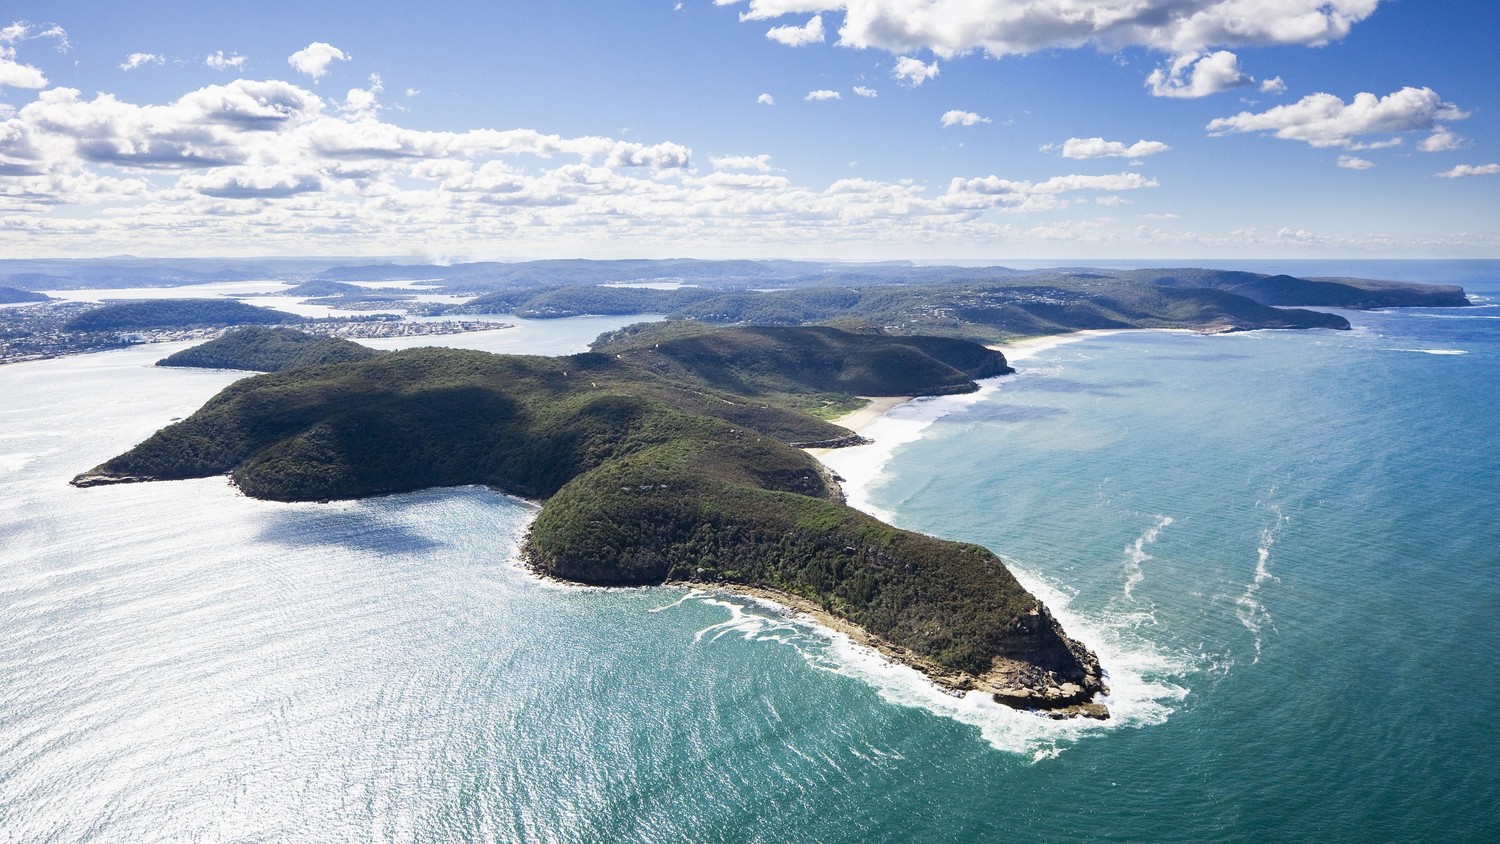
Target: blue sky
(857,129)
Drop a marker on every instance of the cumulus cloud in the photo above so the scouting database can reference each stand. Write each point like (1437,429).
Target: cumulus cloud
(1274,85)
(1008,27)
(766,99)
(1198,75)
(955,117)
(799,36)
(1465,170)
(135,60)
(756,163)
(272,163)
(1350,162)
(14,74)
(866,92)
(1292,235)
(315,58)
(822,94)
(995,192)
(365,99)
(1441,140)
(219,61)
(1324,120)
(912,72)
(1100,148)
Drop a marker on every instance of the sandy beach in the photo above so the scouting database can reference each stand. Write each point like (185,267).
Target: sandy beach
(859,421)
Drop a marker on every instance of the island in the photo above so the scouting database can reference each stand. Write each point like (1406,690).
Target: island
(665,455)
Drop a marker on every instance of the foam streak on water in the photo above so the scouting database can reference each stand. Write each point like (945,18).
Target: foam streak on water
(1248,608)
(1135,555)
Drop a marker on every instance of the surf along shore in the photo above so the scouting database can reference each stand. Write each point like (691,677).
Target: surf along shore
(863,422)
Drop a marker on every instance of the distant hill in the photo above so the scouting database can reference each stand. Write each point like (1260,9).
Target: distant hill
(991,310)
(782,361)
(10,295)
(262,349)
(176,313)
(322,287)
(1351,293)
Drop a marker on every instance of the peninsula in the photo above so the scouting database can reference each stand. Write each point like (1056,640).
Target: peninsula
(665,455)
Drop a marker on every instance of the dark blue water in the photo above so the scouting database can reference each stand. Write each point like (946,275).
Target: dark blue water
(1332,557)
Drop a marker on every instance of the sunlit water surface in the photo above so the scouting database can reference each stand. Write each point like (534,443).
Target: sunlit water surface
(1281,543)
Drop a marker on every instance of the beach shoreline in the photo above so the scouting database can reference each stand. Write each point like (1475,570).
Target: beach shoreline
(860,421)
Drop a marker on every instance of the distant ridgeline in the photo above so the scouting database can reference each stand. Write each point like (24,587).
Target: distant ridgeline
(176,313)
(11,295)
(965,303)
(663,455)
(985,302)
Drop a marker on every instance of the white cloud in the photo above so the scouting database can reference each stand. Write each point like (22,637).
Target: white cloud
(315,58)
(1385,144)
(16,75)
(364,99)
(1274,85)
(1006,27)
(994,192)
(766,99)
(219,61)
(1465,170)
(955,117)
(1100,148)
(1205,74)
(799,36)
(1297,235)
(1350,162)
(866,92)
(1441,140)
(822,94)
(1324,120)
(913,72)
(135,60)
(757,163)
(276,165)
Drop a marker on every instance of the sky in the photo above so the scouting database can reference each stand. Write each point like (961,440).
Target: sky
(818,129)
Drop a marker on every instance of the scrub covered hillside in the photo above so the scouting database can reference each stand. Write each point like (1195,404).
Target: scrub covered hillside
(662,460)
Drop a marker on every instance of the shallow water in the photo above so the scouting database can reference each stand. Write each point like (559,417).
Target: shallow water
(1281,543)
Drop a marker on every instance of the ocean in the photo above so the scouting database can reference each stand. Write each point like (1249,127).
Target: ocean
(1283,545)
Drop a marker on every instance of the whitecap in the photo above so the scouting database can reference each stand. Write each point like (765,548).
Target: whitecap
(1143,678)
(1135,555)
(1432,351)
(1251,613)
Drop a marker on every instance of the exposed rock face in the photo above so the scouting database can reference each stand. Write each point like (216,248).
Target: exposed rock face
(1043,669)
(97,477)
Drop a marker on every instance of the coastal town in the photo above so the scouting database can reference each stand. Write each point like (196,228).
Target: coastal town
(37,332)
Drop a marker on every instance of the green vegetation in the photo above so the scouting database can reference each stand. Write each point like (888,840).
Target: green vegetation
(1356,293)
(176,313)
(11,295)
(663,455)
(269,350)
(995,309)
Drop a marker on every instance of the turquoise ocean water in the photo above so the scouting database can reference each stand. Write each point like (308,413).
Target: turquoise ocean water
(1284,545)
